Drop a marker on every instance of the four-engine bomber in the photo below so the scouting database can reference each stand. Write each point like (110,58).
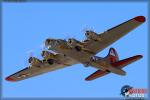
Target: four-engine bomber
(71,51)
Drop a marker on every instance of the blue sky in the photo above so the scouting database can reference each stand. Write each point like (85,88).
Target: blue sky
(27,25)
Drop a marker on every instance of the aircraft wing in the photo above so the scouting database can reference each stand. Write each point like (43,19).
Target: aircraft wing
(89,47)
(37,70)
(110,36)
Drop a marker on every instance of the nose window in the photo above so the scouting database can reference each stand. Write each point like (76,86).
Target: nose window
(48,40)
(30,59)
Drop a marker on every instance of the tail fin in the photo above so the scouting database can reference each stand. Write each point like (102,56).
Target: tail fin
(112,55)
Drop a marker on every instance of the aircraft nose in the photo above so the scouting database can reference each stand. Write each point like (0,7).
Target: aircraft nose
(50,43)
(47,41)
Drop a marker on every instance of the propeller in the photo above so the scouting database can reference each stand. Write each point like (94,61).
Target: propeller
(87,28)
(29,54)
(42,46)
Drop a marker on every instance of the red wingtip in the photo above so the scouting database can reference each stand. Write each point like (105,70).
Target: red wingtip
(140,56)
(140,18)
(9,79)
(88,79)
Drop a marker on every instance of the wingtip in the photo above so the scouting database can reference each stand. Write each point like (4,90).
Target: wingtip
(139,56)
(87,79)
(140,18)
(9,79)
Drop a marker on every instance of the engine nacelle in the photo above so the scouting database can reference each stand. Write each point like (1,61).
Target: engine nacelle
(73,42)
(47,54)
(91,35)
(34,61)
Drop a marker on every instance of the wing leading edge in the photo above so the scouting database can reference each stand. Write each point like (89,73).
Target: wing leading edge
(32,71)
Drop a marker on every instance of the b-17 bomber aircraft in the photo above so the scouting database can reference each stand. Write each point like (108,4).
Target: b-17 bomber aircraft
(72,51)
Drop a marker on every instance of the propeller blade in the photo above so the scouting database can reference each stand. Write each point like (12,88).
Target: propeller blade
(86,28)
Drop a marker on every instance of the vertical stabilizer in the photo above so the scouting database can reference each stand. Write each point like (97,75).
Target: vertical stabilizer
(112,55)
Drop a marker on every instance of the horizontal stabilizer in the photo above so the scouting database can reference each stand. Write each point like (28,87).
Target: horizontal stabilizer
(97,74)
(127,61)
(117,71)
(100,73)
(115,68)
